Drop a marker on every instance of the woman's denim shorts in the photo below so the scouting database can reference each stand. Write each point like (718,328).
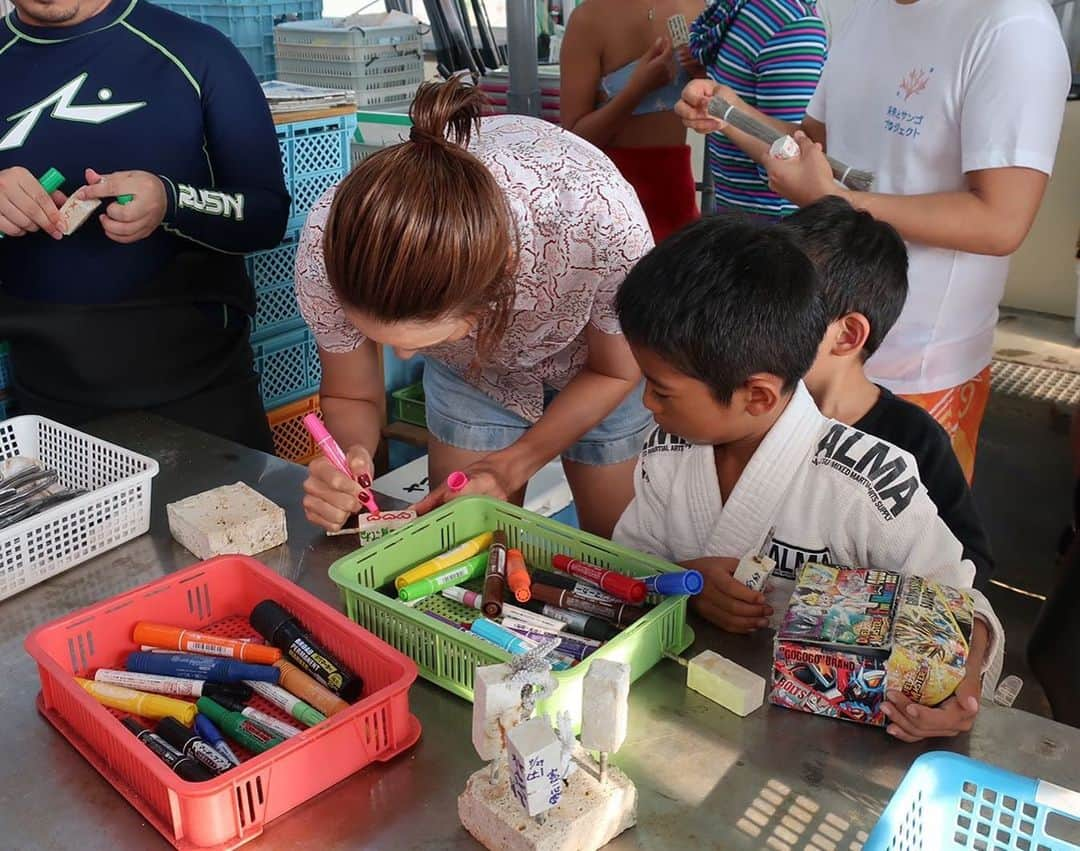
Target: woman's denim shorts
(462,416)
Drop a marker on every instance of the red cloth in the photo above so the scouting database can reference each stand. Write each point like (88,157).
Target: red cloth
(663,178)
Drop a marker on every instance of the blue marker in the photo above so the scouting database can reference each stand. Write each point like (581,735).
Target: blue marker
(205,728)
(681,582)
(504,638)
(192,667)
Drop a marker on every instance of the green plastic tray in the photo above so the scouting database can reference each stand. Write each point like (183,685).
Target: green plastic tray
(409,404)
(449,657)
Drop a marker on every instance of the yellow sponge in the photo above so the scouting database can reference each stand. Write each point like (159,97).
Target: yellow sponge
(722,681)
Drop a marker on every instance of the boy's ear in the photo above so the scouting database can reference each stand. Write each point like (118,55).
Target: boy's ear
(763,393)
(851,332)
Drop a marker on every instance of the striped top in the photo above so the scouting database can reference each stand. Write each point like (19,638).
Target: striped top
(771,55)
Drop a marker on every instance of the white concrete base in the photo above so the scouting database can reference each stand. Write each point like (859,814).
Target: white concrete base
(229,520)
(588,817)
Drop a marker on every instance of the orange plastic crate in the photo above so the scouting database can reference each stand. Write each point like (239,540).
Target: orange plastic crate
(291,440)
(233,808)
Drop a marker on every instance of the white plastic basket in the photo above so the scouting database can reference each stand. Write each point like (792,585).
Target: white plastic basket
(116,508)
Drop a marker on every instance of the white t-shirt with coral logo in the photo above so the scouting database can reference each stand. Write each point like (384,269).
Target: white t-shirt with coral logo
(922,93)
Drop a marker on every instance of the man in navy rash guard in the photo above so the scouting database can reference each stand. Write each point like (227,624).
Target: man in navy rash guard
(147,306)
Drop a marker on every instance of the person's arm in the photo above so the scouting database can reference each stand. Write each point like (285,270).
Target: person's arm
(692,108)
(580,73)
(992,216)
(246,207)
(351,399)
(1010,122)
(610,374)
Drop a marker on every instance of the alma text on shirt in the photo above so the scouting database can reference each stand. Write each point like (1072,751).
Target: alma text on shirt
(890,479)
(790,557)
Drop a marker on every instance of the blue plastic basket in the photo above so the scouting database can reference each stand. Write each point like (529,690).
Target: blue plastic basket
(314,156)
(249,24)
(5,366)
(946,801)
(271,272)
(288,366)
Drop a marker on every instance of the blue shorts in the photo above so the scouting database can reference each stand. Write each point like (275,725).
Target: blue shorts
(459,415)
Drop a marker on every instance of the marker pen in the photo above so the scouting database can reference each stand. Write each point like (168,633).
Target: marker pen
(308,690)
(495,577)
(183,767)
(576,622)
(574,586)
(617,584)
(679,582)
(621,614)
(50,181)
(238,728)
(517,625)
(270,723)
(191,744)
(503,638)
(470,599)
(330,449)
(205,728)
(448,559)
(175,686)
(284,701)
(567,646)
(173,638)
(456,481)
(517,576)
(138,703)
(469,569)
(530,617)
(193,667)
(281,629)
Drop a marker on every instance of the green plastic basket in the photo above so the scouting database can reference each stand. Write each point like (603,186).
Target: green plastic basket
(409,405)
(449,657)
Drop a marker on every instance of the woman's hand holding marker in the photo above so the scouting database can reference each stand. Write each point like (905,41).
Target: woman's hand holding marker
(331,497)
(488,477)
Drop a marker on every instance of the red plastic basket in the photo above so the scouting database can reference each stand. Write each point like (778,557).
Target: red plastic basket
(233,808)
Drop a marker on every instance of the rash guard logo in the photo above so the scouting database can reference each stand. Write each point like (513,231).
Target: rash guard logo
(211,202)
(63,108)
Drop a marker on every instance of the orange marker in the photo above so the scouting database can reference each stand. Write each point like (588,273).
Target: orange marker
(517,576)
(174,638)
(299,684)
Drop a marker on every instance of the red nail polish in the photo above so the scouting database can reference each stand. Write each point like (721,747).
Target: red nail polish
(364,496)
(365,480)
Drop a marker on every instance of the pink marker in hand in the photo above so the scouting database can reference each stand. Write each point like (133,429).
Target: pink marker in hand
(329,447)
(457,481)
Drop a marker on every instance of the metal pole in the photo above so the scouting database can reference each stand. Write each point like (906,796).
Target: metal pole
(523,97)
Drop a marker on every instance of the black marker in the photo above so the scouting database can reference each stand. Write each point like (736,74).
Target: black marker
(281,629)
(184,767)
(191,744)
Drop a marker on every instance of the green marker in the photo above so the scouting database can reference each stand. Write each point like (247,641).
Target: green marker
(468,569)
(238,728)
(124,199)
(50,181)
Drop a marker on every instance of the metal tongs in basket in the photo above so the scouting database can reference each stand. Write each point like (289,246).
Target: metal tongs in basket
(26,493)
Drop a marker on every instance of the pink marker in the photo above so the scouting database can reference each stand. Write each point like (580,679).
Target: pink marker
(329,447)
(456,481)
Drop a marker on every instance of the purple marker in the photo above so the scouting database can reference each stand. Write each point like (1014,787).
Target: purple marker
(567,646)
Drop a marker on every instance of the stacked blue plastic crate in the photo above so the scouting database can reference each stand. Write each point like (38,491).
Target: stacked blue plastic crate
(249,24)
(314,156)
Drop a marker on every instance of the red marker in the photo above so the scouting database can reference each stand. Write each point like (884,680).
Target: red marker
(616,584)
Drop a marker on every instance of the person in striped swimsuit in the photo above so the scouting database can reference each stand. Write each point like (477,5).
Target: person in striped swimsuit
(771,53)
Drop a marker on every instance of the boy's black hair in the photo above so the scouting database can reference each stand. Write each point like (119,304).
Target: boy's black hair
(724,298)
(861,262)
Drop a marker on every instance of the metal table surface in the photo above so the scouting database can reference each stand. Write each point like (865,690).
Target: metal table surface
(705,777)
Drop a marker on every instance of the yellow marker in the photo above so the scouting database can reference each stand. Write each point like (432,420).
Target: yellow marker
(139,703)
(457,555)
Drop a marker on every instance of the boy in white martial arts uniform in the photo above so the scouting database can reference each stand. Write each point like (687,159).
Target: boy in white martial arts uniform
(724,321)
